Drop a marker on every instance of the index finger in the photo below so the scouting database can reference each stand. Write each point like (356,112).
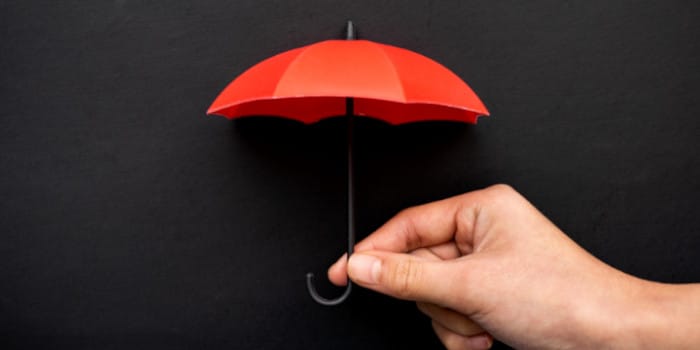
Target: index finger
(433,224)
(424,225)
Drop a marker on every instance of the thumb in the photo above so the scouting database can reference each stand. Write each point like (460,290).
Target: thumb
(404,276)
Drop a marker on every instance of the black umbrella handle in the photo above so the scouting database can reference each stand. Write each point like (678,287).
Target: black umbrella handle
(349,109)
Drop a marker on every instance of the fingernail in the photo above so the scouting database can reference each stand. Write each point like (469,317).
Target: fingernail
(364,268)
(481,341)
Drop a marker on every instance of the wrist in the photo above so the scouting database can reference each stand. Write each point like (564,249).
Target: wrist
(658,316)
(625,312)
(614,314)
(647,318)
(669,316)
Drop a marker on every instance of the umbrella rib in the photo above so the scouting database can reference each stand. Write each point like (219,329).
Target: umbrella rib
(390,62)
(296,59)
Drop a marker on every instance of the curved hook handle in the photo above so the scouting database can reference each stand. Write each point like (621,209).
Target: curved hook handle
(325,301)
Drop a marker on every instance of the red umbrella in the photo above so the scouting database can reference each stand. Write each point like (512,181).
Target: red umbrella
(353,78)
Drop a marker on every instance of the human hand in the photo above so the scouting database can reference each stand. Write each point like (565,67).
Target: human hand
(490,261)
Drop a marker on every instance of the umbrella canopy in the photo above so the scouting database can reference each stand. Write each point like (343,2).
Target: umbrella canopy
(349,77)
(311,83)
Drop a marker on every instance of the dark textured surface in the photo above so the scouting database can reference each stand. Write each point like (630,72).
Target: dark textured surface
(128,219)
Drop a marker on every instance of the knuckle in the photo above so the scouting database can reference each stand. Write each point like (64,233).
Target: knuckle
(501,193)
(406,213)
(501,189)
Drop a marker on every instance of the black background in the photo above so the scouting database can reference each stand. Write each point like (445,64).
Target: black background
(129,219)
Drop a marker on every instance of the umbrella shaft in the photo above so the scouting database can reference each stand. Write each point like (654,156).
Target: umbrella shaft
(349,111)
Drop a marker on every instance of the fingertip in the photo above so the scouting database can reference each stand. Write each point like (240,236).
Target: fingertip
(340,264)
(482,341)
(337,273)
(453,340)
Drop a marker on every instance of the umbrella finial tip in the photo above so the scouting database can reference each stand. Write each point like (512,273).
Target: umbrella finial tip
(350,31)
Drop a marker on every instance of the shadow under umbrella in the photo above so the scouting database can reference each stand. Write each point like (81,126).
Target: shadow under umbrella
(302,169)
(399,166)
